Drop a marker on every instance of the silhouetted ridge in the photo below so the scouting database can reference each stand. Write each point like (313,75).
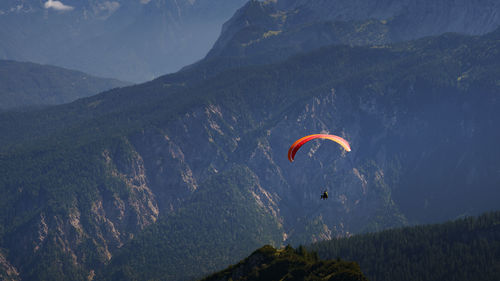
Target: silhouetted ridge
(269,264)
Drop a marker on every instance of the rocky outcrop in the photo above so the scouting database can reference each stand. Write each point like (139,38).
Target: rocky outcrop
(7,271)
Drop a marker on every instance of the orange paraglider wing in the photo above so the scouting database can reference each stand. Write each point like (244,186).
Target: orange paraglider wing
(300,142)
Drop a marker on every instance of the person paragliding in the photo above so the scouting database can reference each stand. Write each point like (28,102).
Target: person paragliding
(300,142)
(324,196)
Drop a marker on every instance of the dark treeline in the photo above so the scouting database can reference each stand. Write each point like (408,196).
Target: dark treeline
(465,249)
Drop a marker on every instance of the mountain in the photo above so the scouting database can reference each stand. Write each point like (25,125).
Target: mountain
(132,40)
(465,249)
(187,174)
(24,84)
(148,169)
(273,30)
(268,263)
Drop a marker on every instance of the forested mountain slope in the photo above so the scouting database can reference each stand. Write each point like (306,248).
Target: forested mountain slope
(465,249)
(84,179)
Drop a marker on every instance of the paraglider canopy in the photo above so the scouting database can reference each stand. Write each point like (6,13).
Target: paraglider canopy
(300,142)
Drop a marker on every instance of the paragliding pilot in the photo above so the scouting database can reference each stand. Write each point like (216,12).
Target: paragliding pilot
(324,196)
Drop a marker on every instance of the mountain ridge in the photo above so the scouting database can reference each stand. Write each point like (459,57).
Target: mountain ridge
(274,30)
(24,84)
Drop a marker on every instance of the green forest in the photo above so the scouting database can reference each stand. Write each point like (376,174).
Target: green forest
(462,250)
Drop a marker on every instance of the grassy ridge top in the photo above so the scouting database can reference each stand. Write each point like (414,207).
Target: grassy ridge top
(268,263)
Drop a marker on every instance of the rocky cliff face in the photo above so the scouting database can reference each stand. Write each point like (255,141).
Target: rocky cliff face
(87,230)
(208,140)
(7,271)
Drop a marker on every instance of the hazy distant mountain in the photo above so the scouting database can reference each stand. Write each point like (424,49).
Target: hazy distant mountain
(273,30)
(133,40)
(25,84)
